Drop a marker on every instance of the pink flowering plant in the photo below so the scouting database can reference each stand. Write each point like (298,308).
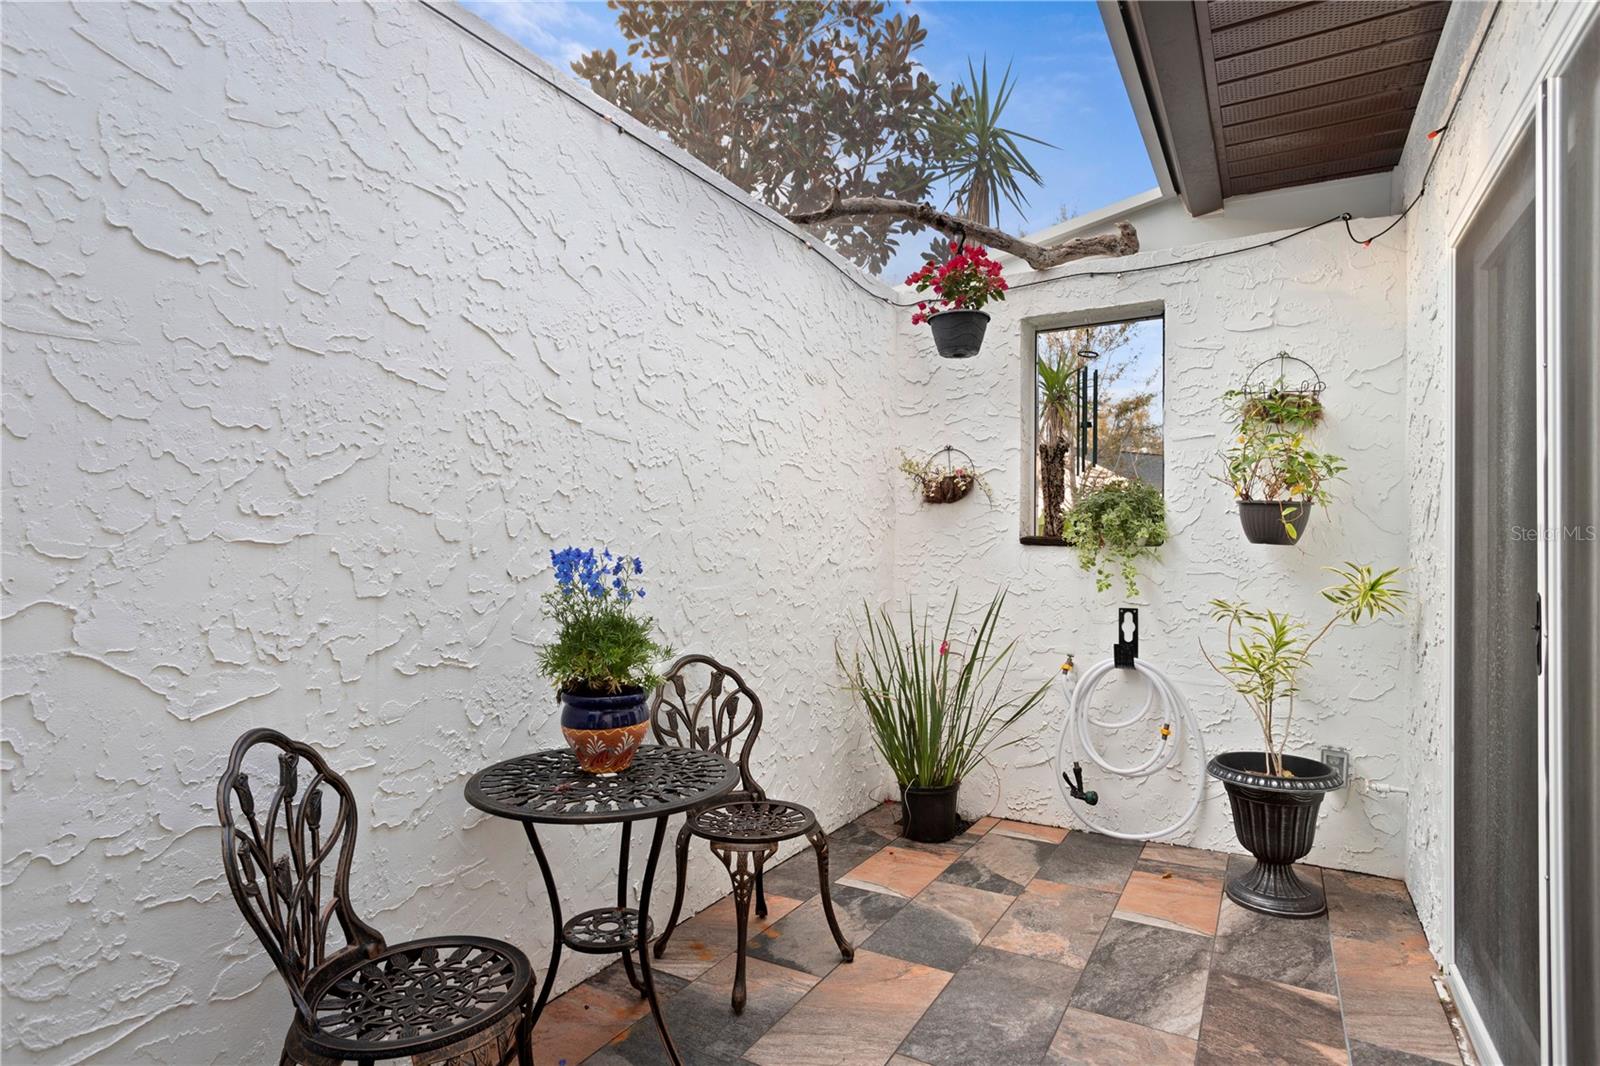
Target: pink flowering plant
(964,282)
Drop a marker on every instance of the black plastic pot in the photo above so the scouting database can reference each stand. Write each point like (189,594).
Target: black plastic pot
(958,334)
(1263,520)
(929,814)
(1275,818)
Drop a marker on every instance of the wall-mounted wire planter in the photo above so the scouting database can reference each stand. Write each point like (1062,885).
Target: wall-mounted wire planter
(1277,477)
(945,476)
(1284,389)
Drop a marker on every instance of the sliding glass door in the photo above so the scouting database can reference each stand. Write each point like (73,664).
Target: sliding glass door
(1496,572)
(1525,948)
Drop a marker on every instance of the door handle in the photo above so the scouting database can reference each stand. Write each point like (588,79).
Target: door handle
(1538,632)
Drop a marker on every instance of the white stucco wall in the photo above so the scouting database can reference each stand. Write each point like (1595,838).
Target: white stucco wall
(1496,102)
(1320,296)
(322,326)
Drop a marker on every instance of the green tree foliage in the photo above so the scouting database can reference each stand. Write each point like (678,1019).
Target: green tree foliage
(787,100)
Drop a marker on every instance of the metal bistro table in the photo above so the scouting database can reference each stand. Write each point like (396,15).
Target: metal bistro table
(547,788)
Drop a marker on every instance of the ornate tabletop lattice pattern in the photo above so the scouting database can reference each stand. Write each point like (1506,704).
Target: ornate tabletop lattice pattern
(757,821)
(547,786)
(416,992)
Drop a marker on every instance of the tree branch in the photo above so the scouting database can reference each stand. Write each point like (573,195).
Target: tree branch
(1125,241)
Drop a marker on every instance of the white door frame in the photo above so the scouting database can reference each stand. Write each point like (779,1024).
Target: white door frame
(1540,109)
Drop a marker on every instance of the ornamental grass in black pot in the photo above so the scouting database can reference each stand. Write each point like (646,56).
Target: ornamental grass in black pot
(1275,797)
(936,704)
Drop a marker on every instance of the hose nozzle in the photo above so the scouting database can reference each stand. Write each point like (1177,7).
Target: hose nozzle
(1075,786)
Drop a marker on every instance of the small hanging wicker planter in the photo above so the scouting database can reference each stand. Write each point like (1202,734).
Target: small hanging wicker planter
(941,478)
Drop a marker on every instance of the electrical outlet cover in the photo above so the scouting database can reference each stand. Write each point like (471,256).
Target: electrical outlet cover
(1338,759)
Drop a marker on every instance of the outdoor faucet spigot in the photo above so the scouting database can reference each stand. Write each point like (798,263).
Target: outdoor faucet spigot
(1075,786)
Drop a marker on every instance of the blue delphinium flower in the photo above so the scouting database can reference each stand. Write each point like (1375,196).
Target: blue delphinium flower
(602,645)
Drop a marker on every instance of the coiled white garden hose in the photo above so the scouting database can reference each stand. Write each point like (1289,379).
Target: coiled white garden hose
(1174,722)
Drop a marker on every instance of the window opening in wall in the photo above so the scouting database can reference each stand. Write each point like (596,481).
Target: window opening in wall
(1097,413)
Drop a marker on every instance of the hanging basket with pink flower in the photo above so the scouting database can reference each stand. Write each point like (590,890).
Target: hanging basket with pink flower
(945,476)
(960,285)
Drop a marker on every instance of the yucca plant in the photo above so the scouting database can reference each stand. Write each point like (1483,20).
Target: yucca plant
(1057,405)
(983,160)
(936,707)
(1266,650)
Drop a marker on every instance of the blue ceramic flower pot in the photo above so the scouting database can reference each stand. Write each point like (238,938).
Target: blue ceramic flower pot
(604,731)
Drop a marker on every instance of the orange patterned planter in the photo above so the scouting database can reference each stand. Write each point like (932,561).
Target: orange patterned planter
(604,731)
(605,751)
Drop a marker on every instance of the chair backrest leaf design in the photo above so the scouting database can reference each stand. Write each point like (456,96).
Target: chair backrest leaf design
(277,859)
(721,714)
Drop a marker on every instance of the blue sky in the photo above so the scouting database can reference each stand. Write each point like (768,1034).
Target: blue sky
(1069,91)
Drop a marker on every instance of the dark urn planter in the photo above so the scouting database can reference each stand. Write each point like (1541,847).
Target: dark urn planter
(1263,520)
(1275,818)
(958,334)
(604,731)
(929,814)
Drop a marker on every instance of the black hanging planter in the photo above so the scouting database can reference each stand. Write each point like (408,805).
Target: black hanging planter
(929,814)
(1275,818)
(1267,521)
(958,334)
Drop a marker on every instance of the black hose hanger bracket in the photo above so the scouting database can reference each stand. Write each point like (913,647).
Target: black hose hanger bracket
(1126,649)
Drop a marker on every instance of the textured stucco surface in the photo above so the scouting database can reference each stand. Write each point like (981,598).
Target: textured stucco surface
(322,325)
(1338,305)
(1494,105)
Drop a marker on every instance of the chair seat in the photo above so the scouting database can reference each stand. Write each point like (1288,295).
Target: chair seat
(416,997)
(752,822)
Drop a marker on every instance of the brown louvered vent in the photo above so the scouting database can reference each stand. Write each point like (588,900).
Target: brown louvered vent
(1306,92)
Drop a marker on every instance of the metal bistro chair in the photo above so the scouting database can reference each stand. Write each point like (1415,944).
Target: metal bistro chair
(423,1000)
(744,828)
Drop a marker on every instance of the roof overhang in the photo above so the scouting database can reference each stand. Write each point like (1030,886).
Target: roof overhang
(1242,96)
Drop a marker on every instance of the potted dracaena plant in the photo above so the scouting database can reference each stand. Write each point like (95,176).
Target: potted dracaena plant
(961,286)
(1275,796)
(603,658)
(1276,476)
(936,706)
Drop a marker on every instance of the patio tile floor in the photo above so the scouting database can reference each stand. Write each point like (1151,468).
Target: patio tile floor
(1016,945)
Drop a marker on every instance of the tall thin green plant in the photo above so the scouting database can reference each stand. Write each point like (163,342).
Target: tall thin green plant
(936,708)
